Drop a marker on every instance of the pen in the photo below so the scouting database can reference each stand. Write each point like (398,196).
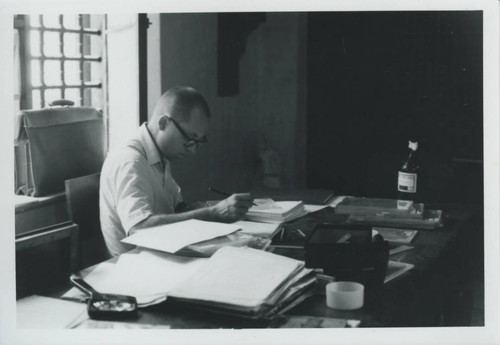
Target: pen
(223,193)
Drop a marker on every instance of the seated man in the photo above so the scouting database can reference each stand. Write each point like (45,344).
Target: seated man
(137,188)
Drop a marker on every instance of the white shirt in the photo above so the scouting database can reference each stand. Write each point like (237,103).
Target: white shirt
(135,184)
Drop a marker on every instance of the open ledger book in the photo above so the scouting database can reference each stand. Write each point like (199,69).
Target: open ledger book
(240,281)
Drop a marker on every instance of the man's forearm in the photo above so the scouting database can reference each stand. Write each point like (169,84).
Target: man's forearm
(205,213)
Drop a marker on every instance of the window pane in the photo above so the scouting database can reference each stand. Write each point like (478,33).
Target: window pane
(35,73)
(51,21)
(72,72)
(35,43)
(51,44)
(87,97)
(36,101)
(86,71)
(52,73)
(70,21)
(52,95)
(73,95)
(71,44)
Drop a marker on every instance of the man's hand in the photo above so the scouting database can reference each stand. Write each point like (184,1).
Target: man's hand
(233,208)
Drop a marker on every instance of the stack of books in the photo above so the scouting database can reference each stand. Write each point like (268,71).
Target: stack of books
(269,211)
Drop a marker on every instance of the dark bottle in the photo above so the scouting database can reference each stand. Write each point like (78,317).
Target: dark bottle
(409,175)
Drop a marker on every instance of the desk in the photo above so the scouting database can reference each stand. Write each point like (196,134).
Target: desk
(43,259)
(424,296)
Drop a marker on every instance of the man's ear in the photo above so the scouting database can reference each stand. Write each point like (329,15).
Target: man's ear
(163,122)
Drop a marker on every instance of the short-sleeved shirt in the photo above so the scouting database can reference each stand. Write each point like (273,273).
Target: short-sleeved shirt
(136,183)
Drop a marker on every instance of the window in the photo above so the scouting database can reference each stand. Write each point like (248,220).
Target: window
(60,57)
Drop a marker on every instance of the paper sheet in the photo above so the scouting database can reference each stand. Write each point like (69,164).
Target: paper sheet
(45,312)
(172,237)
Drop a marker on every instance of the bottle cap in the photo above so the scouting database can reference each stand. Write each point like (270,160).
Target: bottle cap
(413,145)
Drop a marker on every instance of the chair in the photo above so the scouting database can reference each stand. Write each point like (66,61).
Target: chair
(82,199)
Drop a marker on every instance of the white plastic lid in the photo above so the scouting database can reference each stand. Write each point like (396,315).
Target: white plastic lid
(413,145)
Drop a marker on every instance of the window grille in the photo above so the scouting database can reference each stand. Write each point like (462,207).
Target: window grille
(62,59)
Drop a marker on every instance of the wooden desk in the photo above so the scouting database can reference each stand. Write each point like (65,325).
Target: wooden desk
(418,298)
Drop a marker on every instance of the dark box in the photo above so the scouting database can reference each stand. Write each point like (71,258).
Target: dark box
(349,253)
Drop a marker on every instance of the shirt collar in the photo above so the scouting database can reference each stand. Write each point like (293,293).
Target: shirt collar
(152,153)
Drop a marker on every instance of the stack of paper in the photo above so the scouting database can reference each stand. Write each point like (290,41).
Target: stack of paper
(246,282)
(267,230)
(276,212)
(147,275)
(242,281)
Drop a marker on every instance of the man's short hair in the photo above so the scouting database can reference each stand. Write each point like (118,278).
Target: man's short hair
(181,100)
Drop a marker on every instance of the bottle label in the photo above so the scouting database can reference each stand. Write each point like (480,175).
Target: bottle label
(407,182)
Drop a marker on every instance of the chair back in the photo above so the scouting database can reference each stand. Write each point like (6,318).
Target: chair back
(82,199)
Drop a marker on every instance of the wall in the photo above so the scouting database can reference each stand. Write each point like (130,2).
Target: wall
(123,102)
(269,110)
(378,79)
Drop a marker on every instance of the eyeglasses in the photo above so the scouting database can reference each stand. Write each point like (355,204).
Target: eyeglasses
(190,141)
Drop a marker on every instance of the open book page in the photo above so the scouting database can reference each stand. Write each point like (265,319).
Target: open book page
(239,276)
(149,274)
(172,237)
